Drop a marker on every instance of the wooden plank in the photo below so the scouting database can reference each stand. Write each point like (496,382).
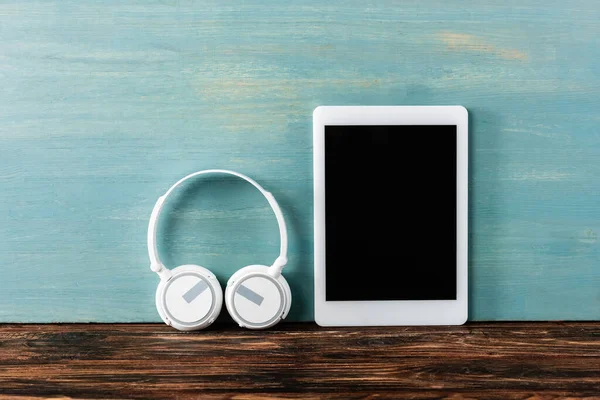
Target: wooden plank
(103,105)
(492,361)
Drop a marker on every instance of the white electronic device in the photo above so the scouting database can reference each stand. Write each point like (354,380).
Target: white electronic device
(390,215)
(189,297)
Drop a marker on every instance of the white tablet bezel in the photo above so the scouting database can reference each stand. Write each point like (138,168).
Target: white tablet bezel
(395,312)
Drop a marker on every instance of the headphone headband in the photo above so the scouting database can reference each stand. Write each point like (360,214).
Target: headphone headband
(157,266)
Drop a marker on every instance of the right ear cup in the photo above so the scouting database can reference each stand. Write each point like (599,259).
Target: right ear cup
(257,300)
(191,299)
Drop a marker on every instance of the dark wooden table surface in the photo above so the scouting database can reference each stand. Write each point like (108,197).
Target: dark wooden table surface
(478,360)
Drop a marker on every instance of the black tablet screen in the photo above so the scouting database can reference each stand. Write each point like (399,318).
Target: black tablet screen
(390,212)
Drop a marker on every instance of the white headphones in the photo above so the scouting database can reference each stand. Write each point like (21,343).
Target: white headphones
(189,297)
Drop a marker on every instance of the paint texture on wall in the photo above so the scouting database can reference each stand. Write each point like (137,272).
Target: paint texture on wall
(103,105)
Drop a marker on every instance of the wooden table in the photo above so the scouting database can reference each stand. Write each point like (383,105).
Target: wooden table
(478,360)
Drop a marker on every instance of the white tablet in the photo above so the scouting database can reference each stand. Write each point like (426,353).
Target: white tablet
(390,216)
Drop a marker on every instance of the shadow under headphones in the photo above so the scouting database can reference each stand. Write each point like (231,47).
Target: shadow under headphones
(189,297)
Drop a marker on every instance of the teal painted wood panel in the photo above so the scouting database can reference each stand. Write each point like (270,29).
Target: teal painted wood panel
(103,105)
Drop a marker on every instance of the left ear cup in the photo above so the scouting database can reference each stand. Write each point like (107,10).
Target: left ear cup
(191,299)
(255,299)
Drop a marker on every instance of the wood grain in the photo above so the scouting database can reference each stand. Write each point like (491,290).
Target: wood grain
(498,361)
(105,104)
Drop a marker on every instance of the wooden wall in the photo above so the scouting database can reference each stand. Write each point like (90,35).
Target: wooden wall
(104,104)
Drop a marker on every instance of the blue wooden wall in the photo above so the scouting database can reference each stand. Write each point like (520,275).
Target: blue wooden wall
(104,104)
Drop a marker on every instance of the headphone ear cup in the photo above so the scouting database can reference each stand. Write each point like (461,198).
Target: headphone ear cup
(257,300)
(191,299)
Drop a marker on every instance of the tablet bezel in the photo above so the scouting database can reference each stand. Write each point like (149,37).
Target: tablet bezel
(390,312)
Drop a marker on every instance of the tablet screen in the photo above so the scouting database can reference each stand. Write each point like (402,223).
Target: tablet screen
(390,212)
